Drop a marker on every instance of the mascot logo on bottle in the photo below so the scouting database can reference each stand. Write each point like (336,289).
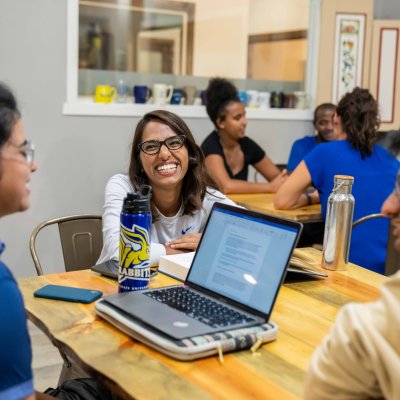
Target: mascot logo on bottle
(134,253)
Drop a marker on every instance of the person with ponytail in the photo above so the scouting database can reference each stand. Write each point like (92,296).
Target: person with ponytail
(228,151)
(374,169)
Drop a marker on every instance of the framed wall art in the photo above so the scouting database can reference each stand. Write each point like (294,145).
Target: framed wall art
(349,53)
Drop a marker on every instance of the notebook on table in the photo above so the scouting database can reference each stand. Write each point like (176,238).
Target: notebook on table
(301,266)
(232,284)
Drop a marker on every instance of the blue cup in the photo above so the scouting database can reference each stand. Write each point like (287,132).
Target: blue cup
(203,96)
(242,96)
(142,94)
(178,97)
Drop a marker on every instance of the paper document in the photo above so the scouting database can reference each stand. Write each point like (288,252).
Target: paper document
(176,265)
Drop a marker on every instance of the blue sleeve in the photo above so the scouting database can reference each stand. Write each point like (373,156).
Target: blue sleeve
(15,348)
(314,165)
(297,154)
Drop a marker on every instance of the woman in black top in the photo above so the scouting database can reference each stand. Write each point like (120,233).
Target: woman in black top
(228,152)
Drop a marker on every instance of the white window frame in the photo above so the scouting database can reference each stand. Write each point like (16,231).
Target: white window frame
(78,106)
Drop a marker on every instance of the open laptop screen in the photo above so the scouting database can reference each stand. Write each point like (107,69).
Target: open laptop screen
(243,256)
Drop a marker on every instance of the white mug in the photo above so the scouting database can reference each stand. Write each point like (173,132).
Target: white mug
(162,93)
(252,98)
(302,100)
(263,99)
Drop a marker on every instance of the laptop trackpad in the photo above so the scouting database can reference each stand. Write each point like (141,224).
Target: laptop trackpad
(159,316)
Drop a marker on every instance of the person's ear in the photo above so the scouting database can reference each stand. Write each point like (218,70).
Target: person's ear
(220,123)
(336,119)
(337,126)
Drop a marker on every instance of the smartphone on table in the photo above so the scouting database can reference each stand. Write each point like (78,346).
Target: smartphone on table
(68,293)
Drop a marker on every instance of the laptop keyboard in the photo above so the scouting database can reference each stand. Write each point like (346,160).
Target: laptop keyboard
(199,307)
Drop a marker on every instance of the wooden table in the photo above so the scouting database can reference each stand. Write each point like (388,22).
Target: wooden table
(304,313)
(264,202)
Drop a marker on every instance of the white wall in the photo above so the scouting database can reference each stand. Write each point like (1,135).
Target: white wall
(76,155)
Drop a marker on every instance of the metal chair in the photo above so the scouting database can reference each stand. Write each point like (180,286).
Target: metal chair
(392,263)
(81,241)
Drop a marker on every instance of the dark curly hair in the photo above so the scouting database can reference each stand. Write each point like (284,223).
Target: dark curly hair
(9,113)
(196,180)
(219,94)
(360,120)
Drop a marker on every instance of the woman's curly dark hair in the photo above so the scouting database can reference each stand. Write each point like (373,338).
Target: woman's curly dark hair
(196,180)
(219,94)
(360,120)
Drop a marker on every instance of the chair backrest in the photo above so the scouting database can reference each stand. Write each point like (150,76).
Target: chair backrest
(81,241)
(392,263)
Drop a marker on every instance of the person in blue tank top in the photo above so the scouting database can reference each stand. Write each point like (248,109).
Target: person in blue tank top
(16,166)
(355,153)
(323,124)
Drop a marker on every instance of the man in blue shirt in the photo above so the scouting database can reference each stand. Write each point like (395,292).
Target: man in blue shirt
(323,124)
(16,166)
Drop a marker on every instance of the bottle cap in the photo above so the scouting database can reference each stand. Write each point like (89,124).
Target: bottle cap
(138,202)
(344,179)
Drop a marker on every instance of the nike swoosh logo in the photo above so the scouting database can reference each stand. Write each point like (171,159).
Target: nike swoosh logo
(185,230)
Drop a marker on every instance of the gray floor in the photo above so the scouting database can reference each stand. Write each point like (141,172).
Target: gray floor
(47,361)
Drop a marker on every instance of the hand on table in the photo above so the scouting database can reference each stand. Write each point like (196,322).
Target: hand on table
(187,242)
(276,183)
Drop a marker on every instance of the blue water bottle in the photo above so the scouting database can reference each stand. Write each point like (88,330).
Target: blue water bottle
(134,241)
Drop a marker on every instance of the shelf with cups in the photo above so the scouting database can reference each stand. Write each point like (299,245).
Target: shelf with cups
(87,106)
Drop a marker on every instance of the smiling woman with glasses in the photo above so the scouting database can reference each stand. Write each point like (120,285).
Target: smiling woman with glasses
(165,156)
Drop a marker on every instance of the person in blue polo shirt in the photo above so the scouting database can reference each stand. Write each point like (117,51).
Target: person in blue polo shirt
(16,166)
(323,124)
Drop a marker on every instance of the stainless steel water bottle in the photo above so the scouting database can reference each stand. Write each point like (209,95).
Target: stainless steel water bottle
(134,241)
(338,223)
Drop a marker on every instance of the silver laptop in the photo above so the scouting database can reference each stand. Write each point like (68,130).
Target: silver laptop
(233,282)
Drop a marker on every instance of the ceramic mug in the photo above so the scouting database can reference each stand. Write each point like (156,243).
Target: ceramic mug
(242,96)
(302,100)
(141,93)
(162,93)
(203,96)
(264,99)
(178,97)
(190,94)
(290,101)
(252,98)
(105,94)
(277,99)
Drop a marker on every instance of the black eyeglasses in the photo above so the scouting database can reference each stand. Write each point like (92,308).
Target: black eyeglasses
(154,146)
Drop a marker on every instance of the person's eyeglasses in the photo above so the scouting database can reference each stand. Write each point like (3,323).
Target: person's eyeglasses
(27,149)
(154,146)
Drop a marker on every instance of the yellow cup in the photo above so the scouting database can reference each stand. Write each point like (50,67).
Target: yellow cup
(105,94)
